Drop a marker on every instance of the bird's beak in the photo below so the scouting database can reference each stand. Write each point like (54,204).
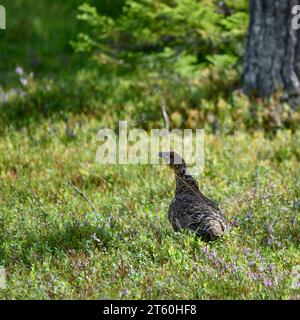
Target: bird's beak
(165,156)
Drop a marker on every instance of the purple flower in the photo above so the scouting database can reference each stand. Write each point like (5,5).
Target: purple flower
(19,71)
(235,268)
(270,229)
(52,279)
(202,269)
(246,251)
(275,282)
(213,254)
(267,283)
(204,250)
(235,222)
(269,240)
(296,285)
(253,276)
(271,266)
(278,244)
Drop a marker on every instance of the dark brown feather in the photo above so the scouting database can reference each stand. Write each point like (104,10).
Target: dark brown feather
(190,209)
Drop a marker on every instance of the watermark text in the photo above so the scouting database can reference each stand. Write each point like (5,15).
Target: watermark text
(2,18)
(137,146)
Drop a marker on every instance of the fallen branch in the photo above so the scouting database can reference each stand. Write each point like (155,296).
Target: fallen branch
(82,195)
(164,112)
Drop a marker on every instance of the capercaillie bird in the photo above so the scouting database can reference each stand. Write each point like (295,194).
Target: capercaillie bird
(190,209)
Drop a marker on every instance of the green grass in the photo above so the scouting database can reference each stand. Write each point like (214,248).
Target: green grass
(54,246)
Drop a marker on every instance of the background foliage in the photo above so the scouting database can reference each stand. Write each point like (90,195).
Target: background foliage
(133,56)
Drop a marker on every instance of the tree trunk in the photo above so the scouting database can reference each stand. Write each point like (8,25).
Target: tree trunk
(272,60)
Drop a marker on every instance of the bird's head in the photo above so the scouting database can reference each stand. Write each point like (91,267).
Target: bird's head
(173,159)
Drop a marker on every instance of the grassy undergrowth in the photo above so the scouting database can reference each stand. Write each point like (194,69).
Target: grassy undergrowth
(55,246)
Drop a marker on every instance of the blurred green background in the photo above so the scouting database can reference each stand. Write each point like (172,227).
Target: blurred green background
(123,59)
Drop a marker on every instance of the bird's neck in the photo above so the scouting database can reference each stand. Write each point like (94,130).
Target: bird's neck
(184,180)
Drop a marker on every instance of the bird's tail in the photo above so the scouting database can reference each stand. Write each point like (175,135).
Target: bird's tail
(213,231)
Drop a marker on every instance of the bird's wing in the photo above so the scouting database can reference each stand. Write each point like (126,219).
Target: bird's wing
(191,214)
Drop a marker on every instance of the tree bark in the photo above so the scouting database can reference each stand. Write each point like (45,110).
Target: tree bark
(272,59)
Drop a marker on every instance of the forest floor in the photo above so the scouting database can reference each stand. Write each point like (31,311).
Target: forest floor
(54,245)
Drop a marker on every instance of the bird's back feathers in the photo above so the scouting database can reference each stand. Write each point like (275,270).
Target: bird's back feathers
(190,209)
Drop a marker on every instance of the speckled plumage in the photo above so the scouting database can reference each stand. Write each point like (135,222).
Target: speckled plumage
(190,209)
